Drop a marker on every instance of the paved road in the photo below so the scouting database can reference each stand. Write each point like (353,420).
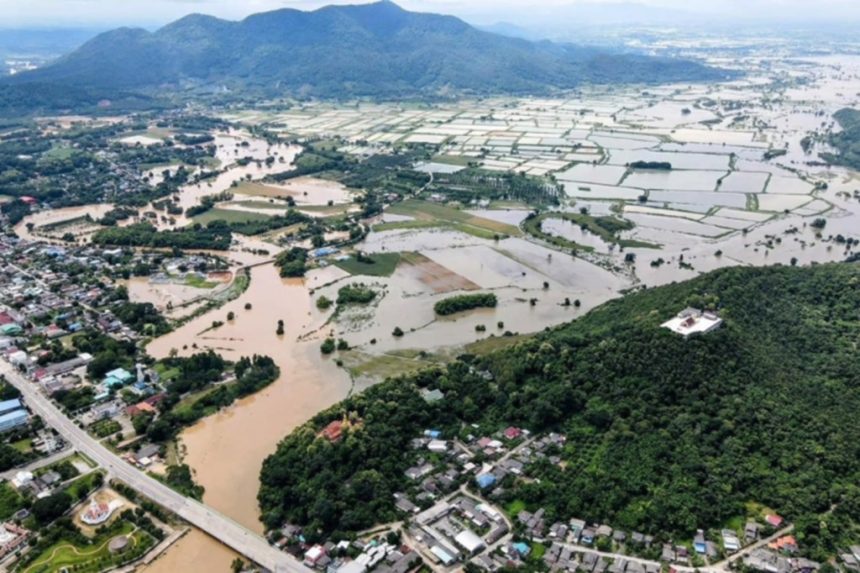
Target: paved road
(219,526)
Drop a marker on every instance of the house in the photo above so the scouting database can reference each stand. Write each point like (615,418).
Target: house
(12,538)
(588,535)
(486,480)
(438,446)
(604,531)
(699,542)
(512,433)
(786,544)
(731,543)
(751,531)
(333,432)
(576,527)
(469,541)
(419,471)
(403,504)
(314,555)
(773,519)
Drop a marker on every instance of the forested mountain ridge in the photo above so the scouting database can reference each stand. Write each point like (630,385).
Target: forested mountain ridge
(665,435)
(344,51)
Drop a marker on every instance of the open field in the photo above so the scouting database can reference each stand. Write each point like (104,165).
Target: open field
(427,215)
(383,265)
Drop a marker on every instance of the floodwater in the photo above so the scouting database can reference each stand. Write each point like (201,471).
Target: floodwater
(52,216)
(196,551)
(226,450)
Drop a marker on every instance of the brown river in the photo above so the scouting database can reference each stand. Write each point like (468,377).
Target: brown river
(226,450)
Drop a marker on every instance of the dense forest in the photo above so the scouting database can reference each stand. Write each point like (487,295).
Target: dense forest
(847,141)
(665,434)
(215,236)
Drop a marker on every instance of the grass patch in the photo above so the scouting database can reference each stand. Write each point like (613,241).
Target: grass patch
(515,507)
(458,160)
(493,343)
(10,501)
(105,428)
(608,228)
(65,555)
(380,367)
(23,446)
(230,216)
(382,265)
(433,214)
(83,485)
(58,153)
(197,281)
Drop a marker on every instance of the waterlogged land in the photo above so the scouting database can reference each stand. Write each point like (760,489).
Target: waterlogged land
(740,190)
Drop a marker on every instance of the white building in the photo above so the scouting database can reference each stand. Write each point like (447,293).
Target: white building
(469,541)
(693,321)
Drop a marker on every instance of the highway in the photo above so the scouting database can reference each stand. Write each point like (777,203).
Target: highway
(217,525)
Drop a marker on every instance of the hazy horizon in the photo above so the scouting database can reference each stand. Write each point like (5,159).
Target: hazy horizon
(540,15)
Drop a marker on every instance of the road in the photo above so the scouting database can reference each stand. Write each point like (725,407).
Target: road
(217,525)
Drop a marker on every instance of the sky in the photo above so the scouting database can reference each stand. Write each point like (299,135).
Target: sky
(528,13)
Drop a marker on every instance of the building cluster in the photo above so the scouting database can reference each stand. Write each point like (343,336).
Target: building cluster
(12,538)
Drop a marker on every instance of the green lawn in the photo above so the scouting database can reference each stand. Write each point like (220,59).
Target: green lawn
(428,214)
(24,445)
(10,501)
(383,265)
(80,486)
(65,555)
(197,281)
(230,216)
(105,428)
(515,507)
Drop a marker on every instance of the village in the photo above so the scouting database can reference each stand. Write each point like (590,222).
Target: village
(451,519)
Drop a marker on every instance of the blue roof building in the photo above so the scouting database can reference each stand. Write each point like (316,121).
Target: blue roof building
(12,420)
(485,480)
(9,405)
(522,548)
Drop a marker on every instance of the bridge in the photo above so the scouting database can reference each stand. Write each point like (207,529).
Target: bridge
(219,526)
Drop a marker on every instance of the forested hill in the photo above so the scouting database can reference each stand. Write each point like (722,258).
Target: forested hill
(847,141)
(665,435)
(344,51)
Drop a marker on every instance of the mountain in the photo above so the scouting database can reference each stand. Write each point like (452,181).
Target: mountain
(344,51)
(665,435)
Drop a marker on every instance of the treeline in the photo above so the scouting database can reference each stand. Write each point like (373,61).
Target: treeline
(455,304)
(665,434)
(655,165)
(215,236)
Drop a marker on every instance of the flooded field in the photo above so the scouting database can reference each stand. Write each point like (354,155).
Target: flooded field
(724,202)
